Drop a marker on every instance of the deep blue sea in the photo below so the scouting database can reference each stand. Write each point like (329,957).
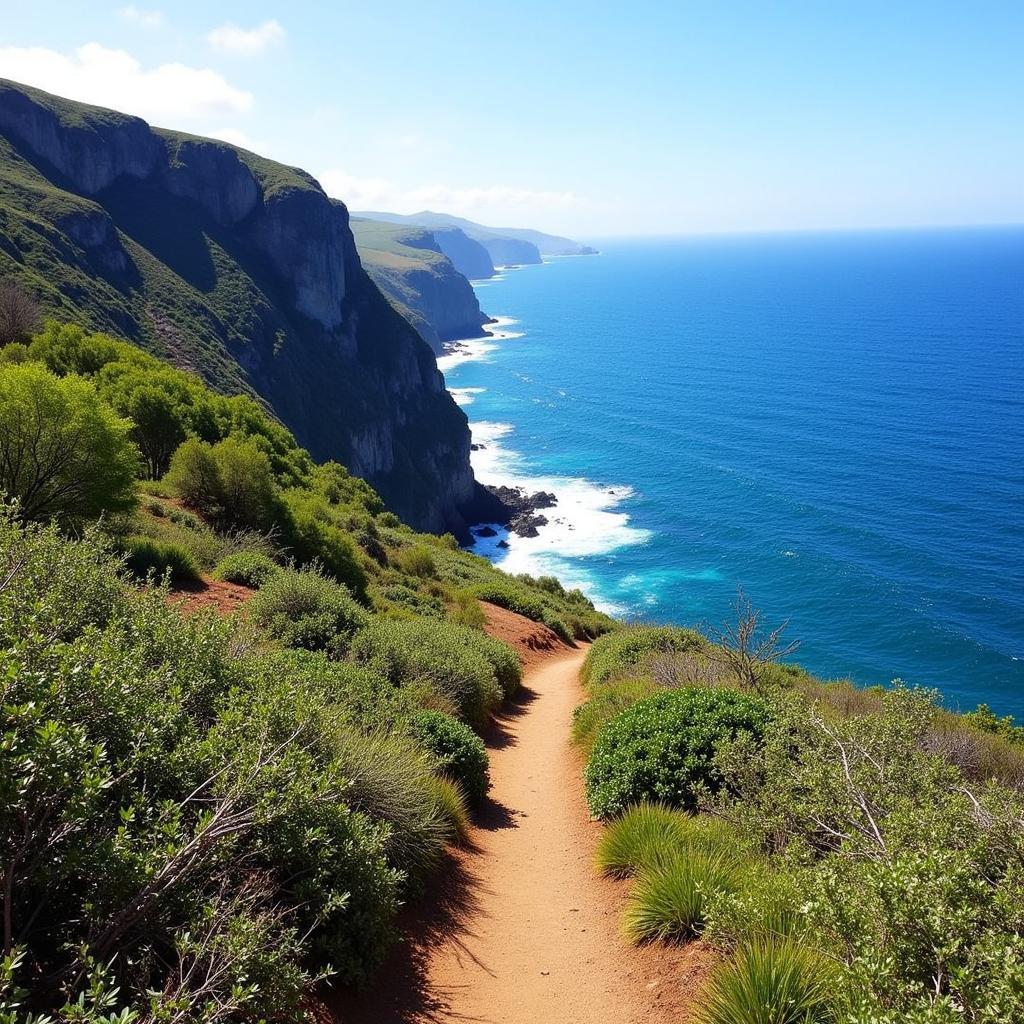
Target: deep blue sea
(833,421)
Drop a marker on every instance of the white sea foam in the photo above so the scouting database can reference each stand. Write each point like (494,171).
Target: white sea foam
(585,522)
(465,396)
(471,350)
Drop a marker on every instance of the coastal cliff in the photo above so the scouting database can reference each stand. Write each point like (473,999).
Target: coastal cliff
(410,268)
(237,268)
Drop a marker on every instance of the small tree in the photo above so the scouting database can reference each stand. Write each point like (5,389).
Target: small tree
(19,314)
(64,453)
(744,646)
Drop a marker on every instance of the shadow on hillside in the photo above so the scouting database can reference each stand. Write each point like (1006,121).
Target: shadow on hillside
(401,992)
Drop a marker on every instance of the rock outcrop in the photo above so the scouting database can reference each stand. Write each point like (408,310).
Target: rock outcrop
(239,269)
(409,267)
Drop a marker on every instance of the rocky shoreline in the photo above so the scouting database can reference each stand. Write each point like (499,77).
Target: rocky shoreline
(523,508)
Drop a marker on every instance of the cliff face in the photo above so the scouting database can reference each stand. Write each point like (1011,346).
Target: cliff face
(507,252)
(239,269)
(408,266)
(468,257)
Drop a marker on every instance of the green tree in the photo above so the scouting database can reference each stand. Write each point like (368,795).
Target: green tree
(64,453)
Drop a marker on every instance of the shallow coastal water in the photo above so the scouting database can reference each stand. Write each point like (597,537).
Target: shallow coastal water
(834,421)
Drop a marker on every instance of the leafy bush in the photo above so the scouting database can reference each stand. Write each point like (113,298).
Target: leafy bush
(145,556)
(663,748)
(606,702)
(247,568)
(668,901)
(652,834)
(626,648)
(460,753)
(397,594)
(462,665)
(306,609)
(769,906)
(772,983)
(64,454)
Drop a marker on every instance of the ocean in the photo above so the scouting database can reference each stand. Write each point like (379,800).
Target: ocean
(834,422)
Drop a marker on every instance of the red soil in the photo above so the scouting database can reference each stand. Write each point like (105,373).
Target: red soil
(519,929)
(224,598)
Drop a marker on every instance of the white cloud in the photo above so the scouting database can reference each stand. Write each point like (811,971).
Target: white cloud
(246,42)
(381,194)
(142,17)
(114,78)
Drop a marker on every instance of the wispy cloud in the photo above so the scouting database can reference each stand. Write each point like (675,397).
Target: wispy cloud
(246,42)
(142,17)
(114,78)
(381,193)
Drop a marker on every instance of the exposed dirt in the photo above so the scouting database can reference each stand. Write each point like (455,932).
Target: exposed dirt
(224,598)
(533,641)
(519,930)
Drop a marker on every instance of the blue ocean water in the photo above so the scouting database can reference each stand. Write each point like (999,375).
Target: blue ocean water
(834,421)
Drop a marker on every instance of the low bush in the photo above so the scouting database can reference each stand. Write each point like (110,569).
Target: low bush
(768,907)
(668,901)
(247,568)
(461,665)
(305,609)
(398,596)
(459,752)
(651,834)
(772,983)
(606,702)
(663,748)
(515,599)
(451,805)
(145,557)
(417,560)
(625,648)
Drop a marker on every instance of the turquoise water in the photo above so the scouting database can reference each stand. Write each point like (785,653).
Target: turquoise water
(834,421)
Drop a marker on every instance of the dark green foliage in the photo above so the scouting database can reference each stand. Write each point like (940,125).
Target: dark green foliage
(460,665)
(624,648)
(398,595)
(663,748)
(146,557)
(416,561)
(607,701)
(308,610)
(64,454)
(310,533)
(248,568)
(460,753)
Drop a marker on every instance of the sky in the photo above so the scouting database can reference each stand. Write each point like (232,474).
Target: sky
(591,119)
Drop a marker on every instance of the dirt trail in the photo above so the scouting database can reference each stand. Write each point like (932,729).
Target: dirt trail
(520,931)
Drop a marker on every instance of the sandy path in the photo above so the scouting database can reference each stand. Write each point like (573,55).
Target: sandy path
(520,931)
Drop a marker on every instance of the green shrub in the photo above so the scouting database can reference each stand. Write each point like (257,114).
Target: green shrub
(466,611)
(651,834)
(768,907)
(415,561)
(64,454)
(663,748)
(397,594)
(626,648)
(461,665)
(514,598)
(247,568)
(606,702)
(305,609)
(460,753)
(668,901)
(145,556)
(772,983)
(311,534)
(194,476)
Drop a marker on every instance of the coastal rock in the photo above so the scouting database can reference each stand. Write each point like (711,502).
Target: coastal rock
(485,531)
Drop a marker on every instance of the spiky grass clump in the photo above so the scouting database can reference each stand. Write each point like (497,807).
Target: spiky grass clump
(669,899)
(651,834)
(771,982)
(451,803)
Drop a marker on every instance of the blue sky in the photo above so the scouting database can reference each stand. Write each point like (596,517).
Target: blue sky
(588,118)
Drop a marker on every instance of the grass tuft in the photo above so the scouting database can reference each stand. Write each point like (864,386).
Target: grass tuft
(771,983)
